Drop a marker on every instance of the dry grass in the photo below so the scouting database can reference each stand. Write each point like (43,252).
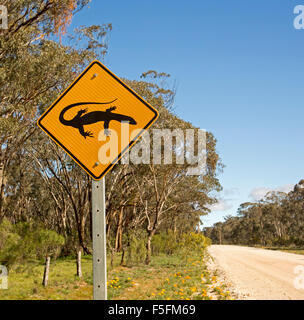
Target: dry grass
(167,277)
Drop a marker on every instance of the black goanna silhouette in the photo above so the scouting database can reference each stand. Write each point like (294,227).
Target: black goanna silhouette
(83,118)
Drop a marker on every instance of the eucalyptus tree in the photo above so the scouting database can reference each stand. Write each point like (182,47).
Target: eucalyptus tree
(166,190)
(36,177)
(32,69)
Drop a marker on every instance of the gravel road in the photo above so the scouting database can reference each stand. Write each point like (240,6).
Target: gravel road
(259,274)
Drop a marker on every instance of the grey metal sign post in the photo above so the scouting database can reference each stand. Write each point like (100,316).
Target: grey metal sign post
(99,240)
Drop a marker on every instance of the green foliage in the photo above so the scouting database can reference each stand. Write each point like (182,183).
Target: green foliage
(164,242)
(136,250)
(193,242)
(48,242)
(208,241)
(276,220)
(189,243)
(7,235)
(39,242)
(167,272)
(24,242)
(35,68)
(9,243)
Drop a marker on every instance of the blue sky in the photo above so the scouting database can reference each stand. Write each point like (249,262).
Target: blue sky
(239,69)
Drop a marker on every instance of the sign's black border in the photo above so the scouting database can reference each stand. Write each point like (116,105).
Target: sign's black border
(125,149)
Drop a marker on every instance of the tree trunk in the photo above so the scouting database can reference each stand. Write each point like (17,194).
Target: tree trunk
(174,227)
(81,236)
(148,246)
(122,256)
(118,238)
(1,187)
(78,263)
(112,258)
(46,271)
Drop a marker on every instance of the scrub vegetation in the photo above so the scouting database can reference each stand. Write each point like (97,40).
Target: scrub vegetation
(174,276)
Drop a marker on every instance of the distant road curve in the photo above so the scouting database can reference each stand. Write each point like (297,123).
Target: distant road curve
(261,274)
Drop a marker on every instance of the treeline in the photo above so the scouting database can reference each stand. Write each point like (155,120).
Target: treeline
(41,187)
(276,220)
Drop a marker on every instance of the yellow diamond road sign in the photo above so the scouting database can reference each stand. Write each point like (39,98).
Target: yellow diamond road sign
(97,119)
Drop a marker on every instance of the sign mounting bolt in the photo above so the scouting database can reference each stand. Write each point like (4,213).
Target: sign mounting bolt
(95,164)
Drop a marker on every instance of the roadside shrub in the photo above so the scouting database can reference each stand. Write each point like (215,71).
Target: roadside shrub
(9,243)
(136,250)
(192,244)
(48,242)
(164,243)
(188,243)
(208,241)
(25,242)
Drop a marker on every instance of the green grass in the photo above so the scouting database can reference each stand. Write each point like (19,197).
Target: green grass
(167,277)
(25,282)
(284,249)
(297,251)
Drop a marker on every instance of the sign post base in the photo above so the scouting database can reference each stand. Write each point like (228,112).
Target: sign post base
(99,240)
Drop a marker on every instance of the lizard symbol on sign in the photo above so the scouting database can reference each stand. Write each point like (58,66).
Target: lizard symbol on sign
(83,118)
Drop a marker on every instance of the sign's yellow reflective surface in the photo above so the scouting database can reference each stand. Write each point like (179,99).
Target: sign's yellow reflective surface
(97,109)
